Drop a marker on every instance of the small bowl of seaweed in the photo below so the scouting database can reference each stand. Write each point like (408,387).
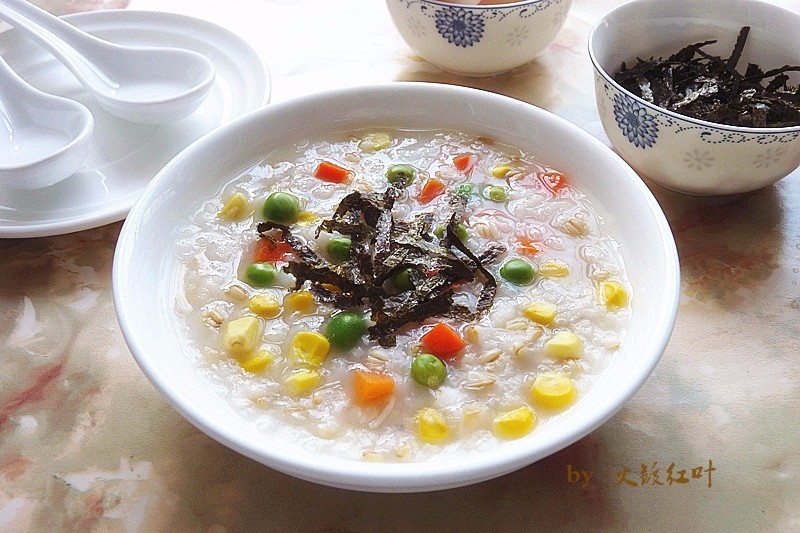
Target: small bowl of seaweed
(701,97)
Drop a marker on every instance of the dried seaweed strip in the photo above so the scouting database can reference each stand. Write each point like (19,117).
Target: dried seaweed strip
(485,298)
(355,216)
(415,248)
(313,267)
(738,48)
(384,331)
(698,84)
(391,264)
(462,312)
(348,283)
(491,253)
(686,54)
(303,251)
(775,72)
(384,230)
(489,290)
(730,65)
(421,226)
(340,300)
(778,82)
(378,220)
(381,247)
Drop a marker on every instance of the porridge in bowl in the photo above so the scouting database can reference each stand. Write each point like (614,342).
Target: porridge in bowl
(399,295)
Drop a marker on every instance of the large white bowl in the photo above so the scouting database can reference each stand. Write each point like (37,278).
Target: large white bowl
(146,266)
(681,153)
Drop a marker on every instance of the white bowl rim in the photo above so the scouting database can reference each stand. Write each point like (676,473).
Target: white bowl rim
(518,3)
(391,477)
(711,125)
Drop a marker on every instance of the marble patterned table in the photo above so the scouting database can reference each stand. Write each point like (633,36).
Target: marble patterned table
(87,444)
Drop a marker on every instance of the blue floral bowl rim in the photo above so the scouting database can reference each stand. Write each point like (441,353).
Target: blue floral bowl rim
(508,5)
(710,125)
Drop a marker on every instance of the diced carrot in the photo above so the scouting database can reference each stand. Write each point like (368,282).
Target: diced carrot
(527,246)
(331,172)
(269,251)
(431,190)
(442,341)
(371,387)
(465,162)
(553,180)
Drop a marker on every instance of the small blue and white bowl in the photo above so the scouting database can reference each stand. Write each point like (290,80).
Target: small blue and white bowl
(478,40)
(681,153)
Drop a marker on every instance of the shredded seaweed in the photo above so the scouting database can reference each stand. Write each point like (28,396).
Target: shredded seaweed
(697,84)
(380,248)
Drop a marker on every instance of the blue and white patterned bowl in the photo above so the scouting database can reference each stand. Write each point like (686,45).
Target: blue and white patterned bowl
(678,152)
(478,40)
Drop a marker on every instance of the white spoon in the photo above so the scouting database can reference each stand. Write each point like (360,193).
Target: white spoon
(145,85)
(44,139)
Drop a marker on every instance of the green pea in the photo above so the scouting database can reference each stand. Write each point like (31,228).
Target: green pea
(495,193)
(339,249)
(402,280)
(401,174)
(428,370)
(461,232)
(345,330)
(281,207)
(465,189)
(518,272)
(261,274)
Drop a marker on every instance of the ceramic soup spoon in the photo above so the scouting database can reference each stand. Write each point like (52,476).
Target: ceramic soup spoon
(44,139)
(144,85)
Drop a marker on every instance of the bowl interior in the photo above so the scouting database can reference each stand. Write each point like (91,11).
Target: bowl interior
(654,28)
(145,258)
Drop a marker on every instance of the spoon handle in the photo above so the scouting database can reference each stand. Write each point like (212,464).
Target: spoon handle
(11,85)
(57,36)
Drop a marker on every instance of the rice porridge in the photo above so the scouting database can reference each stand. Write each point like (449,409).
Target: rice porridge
(399,295)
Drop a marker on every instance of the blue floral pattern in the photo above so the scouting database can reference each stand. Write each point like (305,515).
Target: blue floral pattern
(642,123)
(628,111)
(465,27)
(636,123)
(459,26)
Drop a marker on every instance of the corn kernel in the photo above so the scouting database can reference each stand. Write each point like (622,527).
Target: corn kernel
(553,390)
(431,426)
(553,269)
(564,345)
(241,335)
(302,301)
(310,347)
(265,305)
(257,362)
(500,171)
(375,141)
(301,382)
(514,424)
(541,312)
(305,218)
(237,207)
(614,294)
